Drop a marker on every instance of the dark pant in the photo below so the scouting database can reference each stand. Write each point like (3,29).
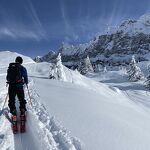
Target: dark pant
(14,90)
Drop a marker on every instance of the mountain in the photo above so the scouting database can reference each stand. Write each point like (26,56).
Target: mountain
(69,54)
(114,48)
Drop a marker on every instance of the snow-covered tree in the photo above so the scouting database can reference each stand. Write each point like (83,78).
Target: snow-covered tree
(80,66)
(98,68)
(134,73)
(86,66)
(58,72)
(105,70)
(51,72)
(38,59)
(147,82)
(123,69)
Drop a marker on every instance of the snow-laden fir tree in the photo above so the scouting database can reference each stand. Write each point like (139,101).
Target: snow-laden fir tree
(147,82)
(105,70)
(98,68)
(38,59)
(86,66)
(51,72)
(134,73)
(58,71)
(123,69)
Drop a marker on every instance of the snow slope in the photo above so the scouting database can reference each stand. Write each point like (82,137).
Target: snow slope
(103,117)
(7,56)
(43,131)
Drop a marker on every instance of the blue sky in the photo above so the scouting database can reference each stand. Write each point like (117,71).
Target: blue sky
(33,27)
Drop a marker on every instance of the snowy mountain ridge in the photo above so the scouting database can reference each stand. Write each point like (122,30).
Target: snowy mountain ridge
(132,27)
(115,48)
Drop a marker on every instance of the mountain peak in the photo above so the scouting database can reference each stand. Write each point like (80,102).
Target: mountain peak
(145,19)
(132,27)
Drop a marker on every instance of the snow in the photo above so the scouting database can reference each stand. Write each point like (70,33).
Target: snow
(43,130)
(7,56)
(105,111)
(110,45)
(68,49)
(142,25)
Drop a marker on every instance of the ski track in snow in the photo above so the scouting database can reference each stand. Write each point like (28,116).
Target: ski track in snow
(42,131)
(26,141)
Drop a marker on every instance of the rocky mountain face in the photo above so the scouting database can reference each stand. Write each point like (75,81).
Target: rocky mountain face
(115,48)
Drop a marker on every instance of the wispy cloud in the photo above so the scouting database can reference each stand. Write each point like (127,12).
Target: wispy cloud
(13,28)
(13,33)
(6,32)
(71,35)
(36,20)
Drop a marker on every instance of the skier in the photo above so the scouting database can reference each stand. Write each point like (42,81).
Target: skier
(16,78)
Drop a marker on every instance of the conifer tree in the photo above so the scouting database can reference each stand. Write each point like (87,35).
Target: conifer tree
(134,73)
(147,82)
(86,66)
(58,71)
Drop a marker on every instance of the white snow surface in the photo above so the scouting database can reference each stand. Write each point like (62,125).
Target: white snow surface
(113,115)
(7,56)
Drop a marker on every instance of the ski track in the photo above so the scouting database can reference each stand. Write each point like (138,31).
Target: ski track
(42,131)
(26,141)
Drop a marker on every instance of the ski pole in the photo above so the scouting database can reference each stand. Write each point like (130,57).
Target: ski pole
(29,95)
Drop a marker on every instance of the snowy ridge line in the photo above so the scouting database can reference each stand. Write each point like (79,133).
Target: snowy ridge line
(55,136)
(78,79)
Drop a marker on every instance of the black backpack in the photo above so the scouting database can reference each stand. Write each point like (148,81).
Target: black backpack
(14,73)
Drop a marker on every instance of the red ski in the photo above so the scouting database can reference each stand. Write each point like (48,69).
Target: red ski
(14,124)
(23,123)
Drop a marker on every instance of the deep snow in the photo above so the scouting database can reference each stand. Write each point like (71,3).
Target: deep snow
(112,115)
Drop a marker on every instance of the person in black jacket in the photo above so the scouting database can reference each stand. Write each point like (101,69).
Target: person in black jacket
(16,79)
